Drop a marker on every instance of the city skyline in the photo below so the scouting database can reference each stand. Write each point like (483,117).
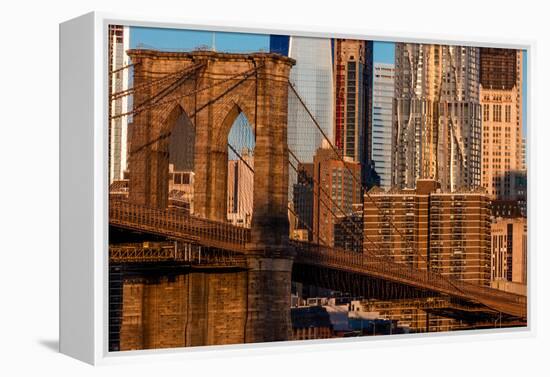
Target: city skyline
(177,39)
(291,188)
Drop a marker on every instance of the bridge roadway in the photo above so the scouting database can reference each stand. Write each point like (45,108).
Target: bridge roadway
(223,236)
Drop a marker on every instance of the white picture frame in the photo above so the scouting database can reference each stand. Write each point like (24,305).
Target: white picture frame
(84,196)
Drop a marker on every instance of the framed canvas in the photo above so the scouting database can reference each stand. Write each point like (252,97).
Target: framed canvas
(227,188)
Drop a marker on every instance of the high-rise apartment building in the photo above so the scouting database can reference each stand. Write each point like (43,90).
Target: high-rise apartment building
(501,100)
(382,121)
(437,121)
(335,192)
(119,42)
(240,189)
(509,251)
(353,101)
(447,232)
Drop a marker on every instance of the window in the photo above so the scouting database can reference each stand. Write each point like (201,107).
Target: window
(497,113)
(485,112)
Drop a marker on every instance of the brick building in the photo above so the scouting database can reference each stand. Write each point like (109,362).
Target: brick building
(448,233)
(335,191)
(509,253)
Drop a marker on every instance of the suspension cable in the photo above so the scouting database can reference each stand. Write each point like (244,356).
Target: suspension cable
(354,235)
(152,82)
(123,68)
(245,75)
(335,150)
(347,229)
(450,280)
(288,207)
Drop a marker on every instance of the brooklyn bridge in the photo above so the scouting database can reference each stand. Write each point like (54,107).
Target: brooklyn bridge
(189,277)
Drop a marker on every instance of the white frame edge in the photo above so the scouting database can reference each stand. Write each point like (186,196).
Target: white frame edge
(84,213)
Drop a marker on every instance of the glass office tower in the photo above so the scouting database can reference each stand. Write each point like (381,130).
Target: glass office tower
(382,121)
(312,78)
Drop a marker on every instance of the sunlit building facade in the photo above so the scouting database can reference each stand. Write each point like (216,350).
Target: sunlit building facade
(240,189)
(509,254)
(336,191)
(437,121)
(445,232)
(353,101)
(503,145)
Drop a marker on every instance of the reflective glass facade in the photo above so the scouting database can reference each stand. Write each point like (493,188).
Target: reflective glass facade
(382,121)
(279,44)
(312,78)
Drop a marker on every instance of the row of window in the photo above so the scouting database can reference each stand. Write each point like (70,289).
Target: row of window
(497,113)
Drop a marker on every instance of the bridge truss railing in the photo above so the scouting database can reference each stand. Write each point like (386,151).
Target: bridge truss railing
(402,273)
(177,252)
(180,225)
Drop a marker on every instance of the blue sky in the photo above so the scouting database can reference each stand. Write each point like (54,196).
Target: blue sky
(176,39)
(383,52)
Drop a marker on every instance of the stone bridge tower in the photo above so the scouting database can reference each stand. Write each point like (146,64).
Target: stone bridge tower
(212,89)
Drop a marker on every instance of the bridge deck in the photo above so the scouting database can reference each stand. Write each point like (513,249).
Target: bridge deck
(178,225)
(228,237)
(353,262)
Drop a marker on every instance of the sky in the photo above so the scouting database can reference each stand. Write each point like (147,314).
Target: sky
(182,40)
(383,52)
(177,40)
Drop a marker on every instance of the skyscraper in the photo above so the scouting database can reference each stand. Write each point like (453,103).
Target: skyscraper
(501,98)
(313,80)
(437,124)
(382,121)
(119,42)
(353,101)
